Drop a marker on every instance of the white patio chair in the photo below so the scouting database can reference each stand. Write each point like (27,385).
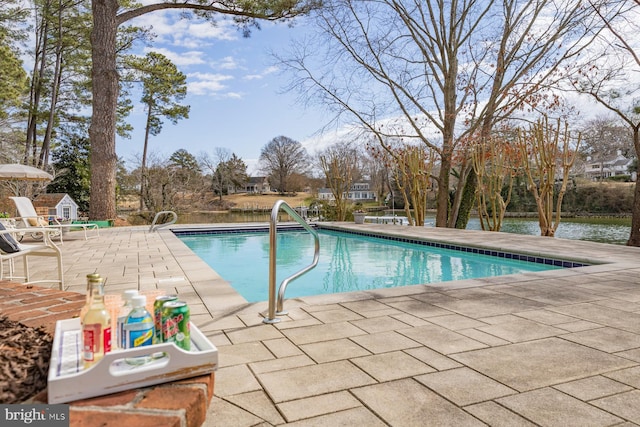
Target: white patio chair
(30,219)
(10,250)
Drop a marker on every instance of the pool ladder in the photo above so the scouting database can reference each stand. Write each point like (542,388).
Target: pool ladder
(154,226)
(273,231)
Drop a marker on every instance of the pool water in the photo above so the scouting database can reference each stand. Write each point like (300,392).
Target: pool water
(347,262)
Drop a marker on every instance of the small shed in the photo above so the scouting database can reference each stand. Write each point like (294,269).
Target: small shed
(58,205)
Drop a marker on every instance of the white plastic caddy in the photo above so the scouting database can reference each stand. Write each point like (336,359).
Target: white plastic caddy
(68,381)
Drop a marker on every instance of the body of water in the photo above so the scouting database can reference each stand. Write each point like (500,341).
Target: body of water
(602,230)
(347,262)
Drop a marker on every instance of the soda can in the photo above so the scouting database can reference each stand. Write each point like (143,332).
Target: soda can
(157,315)
(175,324)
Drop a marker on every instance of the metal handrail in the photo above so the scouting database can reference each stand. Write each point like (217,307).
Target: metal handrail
(155,227)
(273,230)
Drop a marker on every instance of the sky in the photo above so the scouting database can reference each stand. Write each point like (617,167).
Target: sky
(235,92)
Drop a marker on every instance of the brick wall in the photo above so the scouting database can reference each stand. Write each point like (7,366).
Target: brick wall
(178,403)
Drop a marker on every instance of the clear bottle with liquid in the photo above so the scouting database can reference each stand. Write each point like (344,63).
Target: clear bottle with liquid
(90,278)
(96,326)
(123,313)
(139,328)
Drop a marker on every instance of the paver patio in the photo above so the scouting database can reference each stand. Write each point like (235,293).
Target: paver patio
(555,348)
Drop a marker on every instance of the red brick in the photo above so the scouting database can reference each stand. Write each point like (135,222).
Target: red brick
(24,315)
(206,380)
(119,419)
(43,291)
(115,399)
(192,400)
(19,308)
(16,298)
(58,298)
(10,292)
(48,321)
(68,306)
(7,283)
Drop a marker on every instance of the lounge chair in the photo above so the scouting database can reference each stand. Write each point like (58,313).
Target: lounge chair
(30,219)
(11,250)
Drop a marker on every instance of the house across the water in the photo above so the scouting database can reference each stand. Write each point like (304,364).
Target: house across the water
(607,168)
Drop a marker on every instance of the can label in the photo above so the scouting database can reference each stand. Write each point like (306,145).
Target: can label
(175,324)
(157,316)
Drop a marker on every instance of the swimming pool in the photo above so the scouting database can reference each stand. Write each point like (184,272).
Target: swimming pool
(348,261)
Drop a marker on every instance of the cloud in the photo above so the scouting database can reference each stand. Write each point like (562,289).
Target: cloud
(234,95)
(181,59)
(206,83)
(258,76)
(221,30)
(170,28)
(226,63)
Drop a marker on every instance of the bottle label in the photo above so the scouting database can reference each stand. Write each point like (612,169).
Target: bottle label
(139,337)
(95,340)
(90,343)
(139,330)
(106,335)
(120,335)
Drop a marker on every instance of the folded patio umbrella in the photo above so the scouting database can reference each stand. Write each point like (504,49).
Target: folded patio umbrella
(15,171)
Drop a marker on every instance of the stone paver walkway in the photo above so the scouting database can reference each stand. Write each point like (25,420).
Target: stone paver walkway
(555,348)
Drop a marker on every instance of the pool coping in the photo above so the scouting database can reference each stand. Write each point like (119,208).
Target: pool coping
(221,299)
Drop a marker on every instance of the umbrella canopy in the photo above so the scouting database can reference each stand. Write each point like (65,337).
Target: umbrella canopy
(20,172)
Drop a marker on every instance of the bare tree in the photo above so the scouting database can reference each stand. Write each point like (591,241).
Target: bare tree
(494,163)
(412,170)
(431,72)
(341,166)
(377,172)
(548,151)
(612,81)
(227,170)
(280,159)
(160,193)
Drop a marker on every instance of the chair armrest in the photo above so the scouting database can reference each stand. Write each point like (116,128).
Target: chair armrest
(46,230)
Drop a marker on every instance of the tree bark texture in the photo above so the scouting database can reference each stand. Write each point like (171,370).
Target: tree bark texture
(634,237)
(103,122)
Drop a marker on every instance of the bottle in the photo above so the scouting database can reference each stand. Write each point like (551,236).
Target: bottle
(90,278)
(123,313)
(96,326)
(139,328)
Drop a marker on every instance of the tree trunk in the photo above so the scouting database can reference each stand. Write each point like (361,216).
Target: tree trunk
(634,237)
(143,164)
(36,87)
(442,200)
(103,120)
(467,200)
(55,88)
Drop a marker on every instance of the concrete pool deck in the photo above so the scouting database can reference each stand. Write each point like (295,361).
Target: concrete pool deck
(553,348)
